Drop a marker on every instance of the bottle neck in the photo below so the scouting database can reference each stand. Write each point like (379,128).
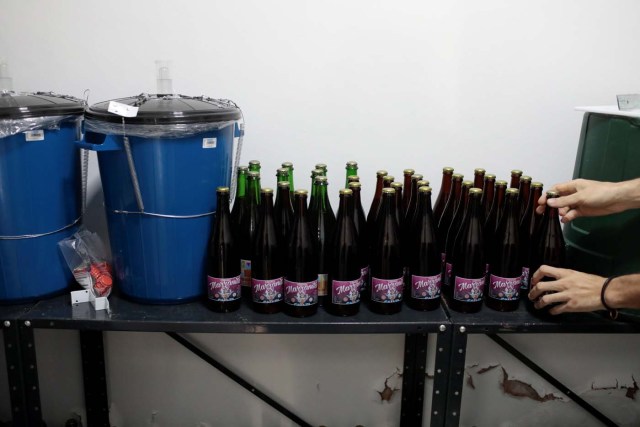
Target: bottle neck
(254,191)
(267,205)
(379,186)
(301,206)
(447,179)
(322,197)
(284,197)
(222,205)
(241,184)
(345,210)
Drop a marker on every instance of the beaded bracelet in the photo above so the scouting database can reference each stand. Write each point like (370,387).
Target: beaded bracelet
(613,313)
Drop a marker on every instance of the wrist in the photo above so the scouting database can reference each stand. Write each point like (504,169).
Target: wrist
(614,294)
(629,194)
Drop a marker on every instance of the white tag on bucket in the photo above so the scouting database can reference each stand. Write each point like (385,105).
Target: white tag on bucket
(209,142)
(34,135)
(123,110)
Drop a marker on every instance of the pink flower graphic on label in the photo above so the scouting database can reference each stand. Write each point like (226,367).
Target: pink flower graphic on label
(387,290)
(425,287)
(301,294)
(345,292)
(468,290)
(222,290)
(364,278)
(505,289)
(266,291)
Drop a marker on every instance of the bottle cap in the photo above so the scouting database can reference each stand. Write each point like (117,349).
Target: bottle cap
(266,190)
(476,191)
(355,185)
(301,193)
(321,166)
(283,184)
(253,174)
(536,184)
(353,178)
(345,192)
(457,177)
(467,184)
(396,184)
(287,165)
(352,164)
(254,162)
(551,194)
(416,176)
(422,183)
(447,170)
(321,179)
(516,172)
(381,172)
(501,183)
(525,178)
(489,177)
(243,168)
(479,171)
(388,178)
(388,190)
(408,171)
(282,171)
(513,191)
(316,172)
(424,189)
(222,190)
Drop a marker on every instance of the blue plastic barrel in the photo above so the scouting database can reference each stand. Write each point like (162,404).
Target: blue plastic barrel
(39,192)
(180,149)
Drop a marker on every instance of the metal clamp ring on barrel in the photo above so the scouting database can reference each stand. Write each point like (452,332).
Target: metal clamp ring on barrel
(163,215)
(34,236)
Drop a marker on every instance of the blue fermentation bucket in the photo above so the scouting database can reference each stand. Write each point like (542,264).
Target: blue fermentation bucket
(39,192)
(159,191)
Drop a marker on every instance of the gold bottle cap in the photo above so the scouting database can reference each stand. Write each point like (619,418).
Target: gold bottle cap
(254,162)
(243,168)
(345,192)
(388,178)
(468,184)
(353,178)
(301,193)
(351,164)
(517,172)
(424,189)
(422,183)
(396,184)
(222,189)
(475,191)
(287,165)
(408,171)
(321,179)
(381,172)
(283,184)
(525,178)
(281,171)
(536,184)
(478,171)
(513,191)
(489,177)
(321,166)
(457,177)
(253,174)
(388,190)
(416,177)
(447,170)
(266,190)
(552,194)
(501,183)
(316,172)
(355,185)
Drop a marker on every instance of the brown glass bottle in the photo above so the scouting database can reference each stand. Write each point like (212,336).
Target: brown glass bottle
(313,197)
(515,178)
(247,230)
(323,225)
(240,200)
(343,297)
(301,269)
(528,226)
(550,247)
(398,198)
(375,203)
(266,269)
(413,202)
(449,210)
(387,284)
(488,193)
(469,262)
(491,223)
(283,215)
(478,178)
(408,190)
(360,223)
(443,195)
(505,271)
(422,291)
(523,198)
(454,229)
(353,178)
(223,260)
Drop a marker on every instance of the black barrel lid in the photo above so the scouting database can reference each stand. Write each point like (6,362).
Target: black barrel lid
(38,104)
(169,109)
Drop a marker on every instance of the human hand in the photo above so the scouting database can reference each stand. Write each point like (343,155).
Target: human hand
(572,290)
(582,197)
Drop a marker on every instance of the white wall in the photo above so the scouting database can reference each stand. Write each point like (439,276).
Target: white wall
(391,84)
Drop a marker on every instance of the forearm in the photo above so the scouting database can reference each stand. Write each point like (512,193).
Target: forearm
(629,194)
(624,292)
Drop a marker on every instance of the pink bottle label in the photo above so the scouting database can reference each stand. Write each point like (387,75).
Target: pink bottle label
(245,272)
(345,292)
(364,278)
(468,290)
(386,290)
(300,294)
(223,290)
(447,273)
(425,287)
(525,279)
(266,291)
(504,288)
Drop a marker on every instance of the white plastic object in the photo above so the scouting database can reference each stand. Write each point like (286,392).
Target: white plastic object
(163,77)
(79,297)
(6,82)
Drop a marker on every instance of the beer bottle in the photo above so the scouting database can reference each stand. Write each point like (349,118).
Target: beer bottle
(408,191)
(352,178)
(515,178)
(491,223)
(360,223)
(550,246)
(488,192)
(413,202)
(469,263)
(375,203)
(523,198)
(240,200)
(386,261)
(352,170)
(322,167)
(301,271)
(283,215)
(247,230)
(223,261)
(289,167)
(443,195)
(398,198)
(505,271)
(386,182)
(343,297)
(424,287)
(254,166)
(266,269)
(528,226)
(323,225)
(282,174)
(313,199)
(449,210)
(454,229)
(410,221)
(478,178)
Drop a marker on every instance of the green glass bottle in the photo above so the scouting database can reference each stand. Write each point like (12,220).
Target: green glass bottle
(352,170)
(289,166)
(239,201)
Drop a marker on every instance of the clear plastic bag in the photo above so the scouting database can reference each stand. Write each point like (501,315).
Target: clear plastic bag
(88,261)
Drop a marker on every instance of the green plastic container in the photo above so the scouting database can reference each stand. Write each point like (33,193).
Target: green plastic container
(609,150)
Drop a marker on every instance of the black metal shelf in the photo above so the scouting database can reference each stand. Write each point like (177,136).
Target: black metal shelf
(125,315)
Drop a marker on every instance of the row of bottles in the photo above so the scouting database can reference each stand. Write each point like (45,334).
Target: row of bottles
(479,241)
